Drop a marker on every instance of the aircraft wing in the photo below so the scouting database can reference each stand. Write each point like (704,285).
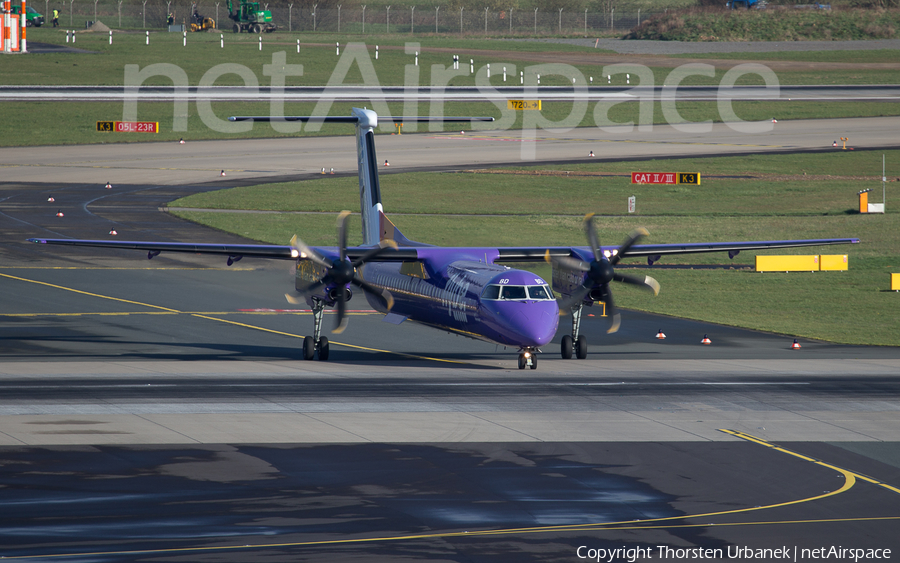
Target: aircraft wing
(654,251)
(233,251)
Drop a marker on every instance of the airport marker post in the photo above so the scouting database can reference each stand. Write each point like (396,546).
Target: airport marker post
(22,20)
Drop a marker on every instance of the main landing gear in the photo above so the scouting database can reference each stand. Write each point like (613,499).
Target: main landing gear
(528,357)
(317,342)
(575,343)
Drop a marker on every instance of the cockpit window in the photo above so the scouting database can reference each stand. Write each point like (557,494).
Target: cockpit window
(491,292)
(517,292)
(539,292)
(513,292)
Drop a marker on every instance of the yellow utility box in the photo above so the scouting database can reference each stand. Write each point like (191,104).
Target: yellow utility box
(787,263)
(863,201)
(832,262)
(895,282)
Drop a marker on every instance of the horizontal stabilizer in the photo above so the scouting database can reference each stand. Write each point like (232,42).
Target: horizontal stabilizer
(353,118)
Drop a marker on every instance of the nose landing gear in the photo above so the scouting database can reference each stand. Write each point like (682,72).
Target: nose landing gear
(528,357)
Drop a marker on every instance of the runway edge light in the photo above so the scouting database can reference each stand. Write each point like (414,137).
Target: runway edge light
(795,345)
(706,340)
(660,335)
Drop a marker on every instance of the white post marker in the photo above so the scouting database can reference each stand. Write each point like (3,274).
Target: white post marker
(337,48)
(539,78)
(521,77)
(489,70)
(147,42)
(417,58)
(184,38)
(471,65)
(298,46)
(110,37)
(504,74)
(221,41)
(627,79)
(260,42)
(376,52)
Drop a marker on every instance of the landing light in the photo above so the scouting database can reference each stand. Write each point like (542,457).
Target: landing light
(294,253)
(527,354)
(607,253)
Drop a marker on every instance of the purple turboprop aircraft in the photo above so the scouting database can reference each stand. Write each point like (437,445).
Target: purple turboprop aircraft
(463,290)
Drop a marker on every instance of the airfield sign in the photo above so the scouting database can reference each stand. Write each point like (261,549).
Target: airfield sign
(665,178)
(128,126)
(523,104)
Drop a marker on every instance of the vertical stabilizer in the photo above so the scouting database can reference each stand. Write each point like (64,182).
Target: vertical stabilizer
(369,188)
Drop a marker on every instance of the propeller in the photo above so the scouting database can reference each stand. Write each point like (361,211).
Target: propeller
(341,271)
(600,272)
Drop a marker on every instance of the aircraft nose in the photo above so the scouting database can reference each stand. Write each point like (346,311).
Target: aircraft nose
(528,324)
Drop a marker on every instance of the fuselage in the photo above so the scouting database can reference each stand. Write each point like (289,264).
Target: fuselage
(485,301)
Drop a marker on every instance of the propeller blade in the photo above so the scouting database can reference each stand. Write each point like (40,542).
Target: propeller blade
(635,236)
(611,311)
(293,299)
(571,263)
(386,298)
(566,305)
(342,233)
(645,282)
(593,240)
(385,244)
(341,322)
(308,253)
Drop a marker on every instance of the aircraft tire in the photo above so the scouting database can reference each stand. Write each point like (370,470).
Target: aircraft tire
(533,360)
(323,349)
(522,361)
(566,347)
(581,348)
(309,348)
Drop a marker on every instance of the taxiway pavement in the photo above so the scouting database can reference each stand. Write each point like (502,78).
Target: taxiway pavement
(157,410)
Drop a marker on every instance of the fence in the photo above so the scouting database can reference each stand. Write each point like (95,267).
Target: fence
(151,14)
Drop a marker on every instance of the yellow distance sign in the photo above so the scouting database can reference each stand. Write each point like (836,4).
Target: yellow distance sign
(523,104)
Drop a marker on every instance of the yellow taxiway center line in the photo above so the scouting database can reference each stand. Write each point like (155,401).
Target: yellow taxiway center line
(649,524)
(202,316)
(846,472)
(333,343)
(89,293)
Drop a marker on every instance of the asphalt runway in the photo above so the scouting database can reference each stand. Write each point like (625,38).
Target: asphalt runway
(157,410)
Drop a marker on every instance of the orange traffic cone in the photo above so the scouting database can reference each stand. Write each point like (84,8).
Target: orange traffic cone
(833,143)
(591,153)
(706,340)
(660,335)
(59,214)
(795,345)
(386,163)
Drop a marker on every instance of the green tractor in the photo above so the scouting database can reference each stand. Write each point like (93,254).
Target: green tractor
(248,17)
